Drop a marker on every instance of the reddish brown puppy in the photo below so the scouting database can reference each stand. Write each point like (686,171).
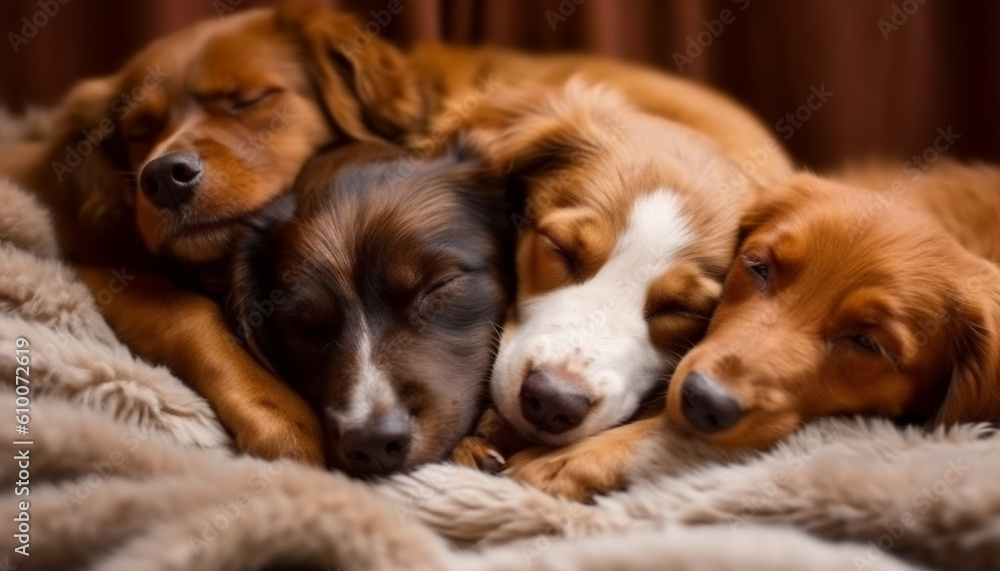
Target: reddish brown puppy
(838,304)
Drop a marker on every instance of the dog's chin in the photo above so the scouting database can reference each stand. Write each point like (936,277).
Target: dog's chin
(182,236)
(202,243)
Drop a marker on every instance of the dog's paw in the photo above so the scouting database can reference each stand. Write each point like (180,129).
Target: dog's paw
(475,452)
(277,437)
(578,472)
(592,467)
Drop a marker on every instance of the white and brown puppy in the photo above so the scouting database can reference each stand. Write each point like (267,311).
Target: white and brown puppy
(630,226)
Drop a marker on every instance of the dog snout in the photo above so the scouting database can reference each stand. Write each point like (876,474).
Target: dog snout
(552,404)
(378,447)
(708,405)
(171,180)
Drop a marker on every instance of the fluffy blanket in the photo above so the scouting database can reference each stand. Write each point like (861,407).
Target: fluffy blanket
(128,469)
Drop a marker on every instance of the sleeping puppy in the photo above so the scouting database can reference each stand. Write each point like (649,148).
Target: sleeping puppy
(376,289)
(204,127)
(630,226)
(848,301)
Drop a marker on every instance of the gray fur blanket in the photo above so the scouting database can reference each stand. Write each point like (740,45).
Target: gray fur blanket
(128,469)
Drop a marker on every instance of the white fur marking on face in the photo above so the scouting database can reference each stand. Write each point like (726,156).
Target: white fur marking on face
(597,329)
(373,393)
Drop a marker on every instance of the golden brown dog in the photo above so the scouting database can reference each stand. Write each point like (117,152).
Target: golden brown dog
(171,155)
(837,305)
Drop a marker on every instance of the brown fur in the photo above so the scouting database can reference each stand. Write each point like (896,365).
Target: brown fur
(787,348)
(843,260)
(389,276)
(254,96)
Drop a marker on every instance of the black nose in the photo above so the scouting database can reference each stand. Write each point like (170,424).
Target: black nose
(708,406)
(171,180)
(379,447)
(551,404)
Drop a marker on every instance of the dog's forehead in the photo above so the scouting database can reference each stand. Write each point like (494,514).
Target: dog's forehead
(213,55)
(373,257)
(845,256)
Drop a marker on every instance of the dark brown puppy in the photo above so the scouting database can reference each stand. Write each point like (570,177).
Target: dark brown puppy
(376,289)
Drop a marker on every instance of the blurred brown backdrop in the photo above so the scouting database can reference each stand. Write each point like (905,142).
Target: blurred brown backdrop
(898,70)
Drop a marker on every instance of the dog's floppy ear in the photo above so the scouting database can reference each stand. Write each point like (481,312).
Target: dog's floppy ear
(88,156)
(366,85)
(249,304)
(86,104)
(529,129)
(774,200)
(973,394)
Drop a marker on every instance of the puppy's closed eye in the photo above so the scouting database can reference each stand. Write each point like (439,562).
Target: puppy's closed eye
(875,345)
(239,102)
(561,253)
(435,296)
(674,307)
